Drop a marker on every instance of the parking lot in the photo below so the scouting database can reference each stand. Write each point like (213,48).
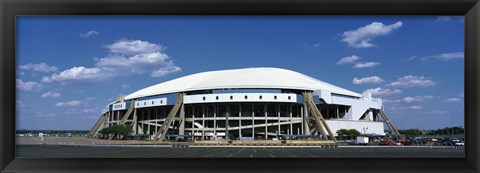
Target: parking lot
(138,151)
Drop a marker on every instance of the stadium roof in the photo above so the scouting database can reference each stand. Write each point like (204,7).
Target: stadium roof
(272,78)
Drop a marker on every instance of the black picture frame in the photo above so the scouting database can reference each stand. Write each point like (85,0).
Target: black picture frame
(11,8)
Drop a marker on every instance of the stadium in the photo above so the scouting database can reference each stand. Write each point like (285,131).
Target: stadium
(245,104)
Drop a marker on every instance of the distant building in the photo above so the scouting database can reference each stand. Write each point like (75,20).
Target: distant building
(245,104)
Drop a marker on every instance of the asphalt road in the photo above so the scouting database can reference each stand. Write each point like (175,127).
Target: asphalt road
(62,151)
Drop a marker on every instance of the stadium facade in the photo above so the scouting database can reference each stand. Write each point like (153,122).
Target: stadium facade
(245,104)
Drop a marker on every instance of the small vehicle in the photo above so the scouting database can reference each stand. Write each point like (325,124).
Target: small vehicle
(405,142)
(386,143)
(362,140)
(459,144)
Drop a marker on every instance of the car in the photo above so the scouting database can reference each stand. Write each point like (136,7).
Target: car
(459,144)
(386,143)
(406,142)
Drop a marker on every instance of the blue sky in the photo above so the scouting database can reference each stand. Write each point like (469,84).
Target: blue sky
(69,68)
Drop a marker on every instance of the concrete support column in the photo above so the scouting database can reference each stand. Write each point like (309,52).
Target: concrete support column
(148,125)
(306,129)
(193,121)
(278,112)
(203,122)
(338,112)
(215,121)
(266,126)
(143,124)
(135,128)
(157,118)
(253,121)
(181,129)
(291,124)
(240,121)
(226,122)
(108,119)
(301,124)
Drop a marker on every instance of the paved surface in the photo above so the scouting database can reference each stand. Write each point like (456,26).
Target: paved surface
(72,151)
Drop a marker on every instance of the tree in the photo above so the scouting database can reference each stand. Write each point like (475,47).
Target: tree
(342,133)
(117,130)
(353,133)
(411,132)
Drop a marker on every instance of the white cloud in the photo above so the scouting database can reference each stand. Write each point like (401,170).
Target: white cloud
(390,101)
(348,59)
(417,98)
(404,107)
(453,100)
(367,80)
(316,45)
(382,92)
(42,67)
(125,86)
(363,36)
(132,47)
(44,114)
(89,33)
(75,111)
(452,56)
(435,112)
(461,94)
(90,110)
(79,74)
(70,103)
(412,81)
(164,71)
(448,18)
(28,86)
(414,107)
(51,95)
(366,65)
(129,57)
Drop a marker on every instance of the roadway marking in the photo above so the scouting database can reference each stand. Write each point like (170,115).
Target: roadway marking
(272,155)
(230,155)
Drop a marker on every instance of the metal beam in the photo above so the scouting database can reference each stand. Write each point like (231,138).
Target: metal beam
(317,115)
(97,125)
(160,134)
(128,113)
(389,123)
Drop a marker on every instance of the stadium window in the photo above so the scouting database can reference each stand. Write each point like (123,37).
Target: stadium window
(204,98)
(216,97)
(153,102)
(161,101)
(246,97)
(275,97)
(289,97)
(231,97)
(144,103)
(260,97)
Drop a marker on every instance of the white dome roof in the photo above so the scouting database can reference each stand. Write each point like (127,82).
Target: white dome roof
(274,78)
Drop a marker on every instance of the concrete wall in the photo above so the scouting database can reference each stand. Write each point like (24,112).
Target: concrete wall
(358,106)
(240,97)
(151,102)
